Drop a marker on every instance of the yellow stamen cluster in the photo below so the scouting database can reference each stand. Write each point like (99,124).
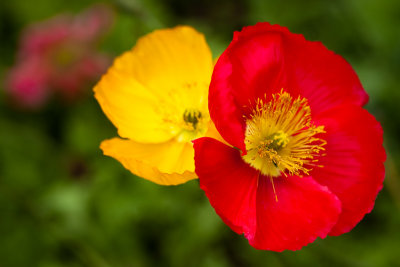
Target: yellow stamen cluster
(187,116)
(192,117)
(280,137)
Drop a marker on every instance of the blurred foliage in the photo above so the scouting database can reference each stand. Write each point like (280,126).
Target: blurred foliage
(63,203)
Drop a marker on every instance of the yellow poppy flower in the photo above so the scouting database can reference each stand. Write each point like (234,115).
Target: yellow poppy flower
(156,95)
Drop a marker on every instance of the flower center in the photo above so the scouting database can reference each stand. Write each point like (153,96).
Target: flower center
(192,118)
(280,137)
(184,111)
(192,126)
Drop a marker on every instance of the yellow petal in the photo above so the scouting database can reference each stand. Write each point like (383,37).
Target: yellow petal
(166,59)
(131,108)
(148,89)
(168,163)
(213,133)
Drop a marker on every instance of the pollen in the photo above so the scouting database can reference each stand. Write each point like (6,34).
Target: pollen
(281,138)
(184,116)
(192,118)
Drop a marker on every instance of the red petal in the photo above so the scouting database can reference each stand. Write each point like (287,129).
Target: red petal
(263,59)
(224,111)
(257,67)
(249,69)
(320,75)
(304,211)
(311,70)
(353,166)
(229,183)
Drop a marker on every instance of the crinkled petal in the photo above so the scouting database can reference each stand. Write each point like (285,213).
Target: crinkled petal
(247,70)
(263,59)
(168,163)
(166,70)
(304,211)
(131,107)
(246,201)
(165,59)
(353,165)
(312,70)
(229,183)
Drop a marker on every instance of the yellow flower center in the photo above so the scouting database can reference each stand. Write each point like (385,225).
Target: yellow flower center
(193,125)
(280,137)
(184,111)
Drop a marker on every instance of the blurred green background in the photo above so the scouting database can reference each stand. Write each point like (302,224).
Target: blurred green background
(62,203)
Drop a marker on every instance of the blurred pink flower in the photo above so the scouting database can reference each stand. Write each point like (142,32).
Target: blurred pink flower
(27,83)
(59,56)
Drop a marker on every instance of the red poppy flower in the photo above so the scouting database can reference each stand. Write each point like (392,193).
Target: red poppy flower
(305,159)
